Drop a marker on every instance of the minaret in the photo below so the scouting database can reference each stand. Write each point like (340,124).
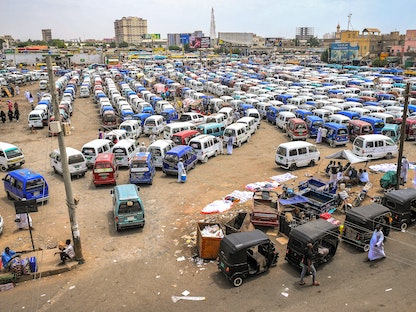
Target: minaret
(212,32)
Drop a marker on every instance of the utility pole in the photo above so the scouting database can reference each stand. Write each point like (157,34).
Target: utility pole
(402,135)
(70,201)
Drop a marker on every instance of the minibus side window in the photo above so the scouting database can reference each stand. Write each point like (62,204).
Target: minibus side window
(293,152)
(370,144)
(302,151)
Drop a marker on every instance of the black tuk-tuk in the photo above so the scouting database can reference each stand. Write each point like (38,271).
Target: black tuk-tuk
(322,234)
(360,223)
(246,253)
(402,204)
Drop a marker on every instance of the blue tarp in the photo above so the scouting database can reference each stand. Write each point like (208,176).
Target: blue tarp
(297,199)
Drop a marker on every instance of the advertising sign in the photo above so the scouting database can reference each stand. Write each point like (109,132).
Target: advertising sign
(344,51)
(195,42)
(205,42)
(184,38)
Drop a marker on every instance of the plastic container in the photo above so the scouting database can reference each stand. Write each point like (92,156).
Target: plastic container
(208,247)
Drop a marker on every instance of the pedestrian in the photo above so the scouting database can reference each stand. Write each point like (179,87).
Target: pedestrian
(319,136)
(16,114)
(17,90)
(340,171)
(404,169)
(3,116)
(376,250)
(16,105)
(67,252)
(100,134)
(142,148)
(23,221)
(333,173)
(9,105)
(230,144)
(27,95)
(181,170)
(221,146)
(307,266)
(10,114)
(31,99)
(38,96)
(152,138)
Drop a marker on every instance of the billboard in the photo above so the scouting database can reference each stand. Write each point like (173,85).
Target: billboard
(272,42)
(242,39)
(152,36)
(184,38)
(205,42)
(344,51)
(195,42)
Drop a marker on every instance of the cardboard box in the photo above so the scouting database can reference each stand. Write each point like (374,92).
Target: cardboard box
(208,247)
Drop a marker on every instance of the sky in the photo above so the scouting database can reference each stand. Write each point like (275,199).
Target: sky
(94,19)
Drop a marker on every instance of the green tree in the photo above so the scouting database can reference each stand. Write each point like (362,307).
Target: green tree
(379,63)
(174,48)
(123,44)
(325,56)
(59,43)
(313,42)
(112,45)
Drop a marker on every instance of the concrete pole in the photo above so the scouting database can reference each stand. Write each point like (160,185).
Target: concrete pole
(402,135)
(70,201)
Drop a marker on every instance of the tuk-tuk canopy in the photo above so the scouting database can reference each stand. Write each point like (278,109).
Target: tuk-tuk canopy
(236,242)
(363,214)
(400,198)
(313,230)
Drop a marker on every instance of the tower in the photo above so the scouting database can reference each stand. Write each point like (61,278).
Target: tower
(212,32)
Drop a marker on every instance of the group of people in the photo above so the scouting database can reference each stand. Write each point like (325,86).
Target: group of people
(338,173)
(13,112)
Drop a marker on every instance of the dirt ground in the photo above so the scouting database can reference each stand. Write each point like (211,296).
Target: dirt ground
(142,268)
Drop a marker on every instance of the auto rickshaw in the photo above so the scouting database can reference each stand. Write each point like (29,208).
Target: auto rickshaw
(244,254)
(360,223)
(402,205)
(323,235)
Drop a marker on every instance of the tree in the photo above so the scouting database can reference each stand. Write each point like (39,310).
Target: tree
(123,44)
(112,45)
(325,56)
(313,42)
(379,63)
(174,48)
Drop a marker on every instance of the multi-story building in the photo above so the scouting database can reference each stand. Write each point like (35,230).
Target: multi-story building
(130,29)
(304,33)
(46,35)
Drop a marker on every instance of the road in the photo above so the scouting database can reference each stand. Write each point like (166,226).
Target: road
(138,269)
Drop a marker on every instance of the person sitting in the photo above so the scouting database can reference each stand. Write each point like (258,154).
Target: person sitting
(353,175)
(67,252)
(363,177)
(6,256)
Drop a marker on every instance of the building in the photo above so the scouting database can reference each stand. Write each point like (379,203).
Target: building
(304,33)
(46,35)
(130,29)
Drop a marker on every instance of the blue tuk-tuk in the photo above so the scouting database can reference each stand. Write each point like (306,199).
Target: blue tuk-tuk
(170,115)
(313,122)
(142,169)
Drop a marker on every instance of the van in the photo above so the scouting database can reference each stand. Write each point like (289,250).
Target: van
(360,110)
(292,155)
(206,146)
(174,127)
(132,127)
(282,118)
(91,150)
(252,112)
(392,131)
(43,85)
(10,156)
(376,123)
(105,170)
(359,127)
(109,119)
(183,137)
(158,149)
(215,129)
(115,135)
(76,162)
(124,150)
(374,146)
(154,124)
(170,162)
(35,119)
(26,184)
(142,169)
(335,134)
(228,112)
(297,129)
(340,119)
(239,133)
(250,123)
(218,118)
(128,208)
(84,92)
(314,123)
(322,113)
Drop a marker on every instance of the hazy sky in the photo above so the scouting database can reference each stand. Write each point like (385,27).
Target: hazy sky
(94,19)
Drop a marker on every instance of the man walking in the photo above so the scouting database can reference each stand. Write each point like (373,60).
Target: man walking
(307,266)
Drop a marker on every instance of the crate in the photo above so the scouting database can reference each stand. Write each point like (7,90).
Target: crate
(208,247)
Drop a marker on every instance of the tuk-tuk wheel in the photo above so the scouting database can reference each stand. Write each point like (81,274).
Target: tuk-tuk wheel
(366,247)
(3,168)
(292,167)
(237,280)
(403,226)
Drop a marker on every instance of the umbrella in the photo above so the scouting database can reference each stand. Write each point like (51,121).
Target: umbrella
(349,155)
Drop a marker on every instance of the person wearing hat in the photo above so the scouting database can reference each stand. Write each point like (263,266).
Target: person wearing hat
(307,266)
(376,250)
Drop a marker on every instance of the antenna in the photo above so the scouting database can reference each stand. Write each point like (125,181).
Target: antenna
(349,22)
(212,32)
